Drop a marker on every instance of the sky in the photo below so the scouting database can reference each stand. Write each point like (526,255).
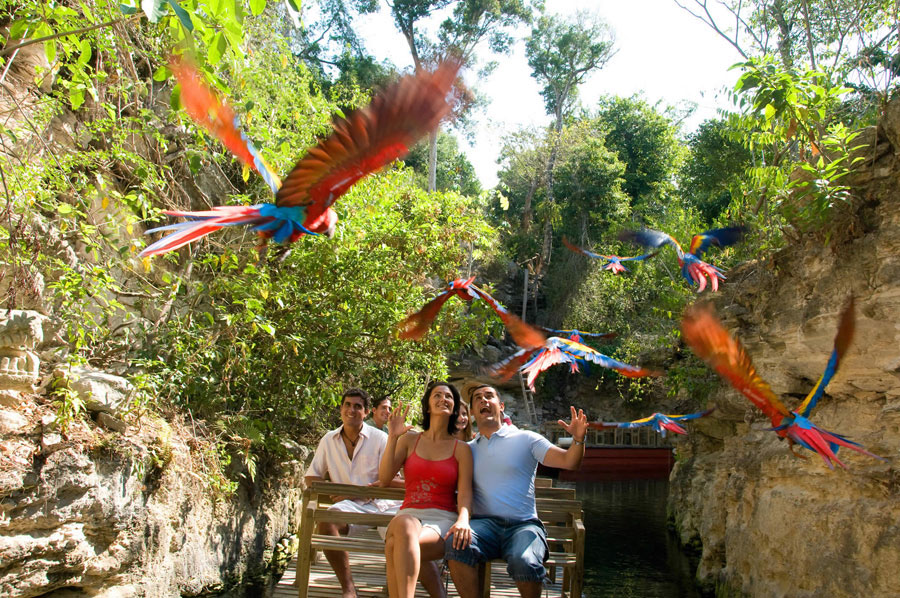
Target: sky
(662,52)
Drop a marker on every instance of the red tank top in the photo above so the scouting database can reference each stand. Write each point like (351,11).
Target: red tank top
(430,484)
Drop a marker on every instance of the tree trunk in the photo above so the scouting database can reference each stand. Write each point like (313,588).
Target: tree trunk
(785,45)
(809,40)
(525,295)
(544,258)
(527,212)
(432,160)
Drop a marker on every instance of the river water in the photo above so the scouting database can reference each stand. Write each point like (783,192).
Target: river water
(628,550)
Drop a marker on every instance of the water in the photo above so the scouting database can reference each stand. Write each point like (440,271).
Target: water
(628,550)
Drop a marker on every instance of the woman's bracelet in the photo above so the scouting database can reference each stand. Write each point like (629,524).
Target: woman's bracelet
(578,441)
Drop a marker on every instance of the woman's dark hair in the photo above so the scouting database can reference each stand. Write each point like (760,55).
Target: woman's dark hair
(426,410)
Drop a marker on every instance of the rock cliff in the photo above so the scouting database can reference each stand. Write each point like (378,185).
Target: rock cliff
(766,522)
(143,513)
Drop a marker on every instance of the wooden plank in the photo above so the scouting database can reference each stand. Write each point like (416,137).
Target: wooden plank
(373,519)
(578,572)
(353,491)
(305,550)
(354,544)
(368,574)
(568,493)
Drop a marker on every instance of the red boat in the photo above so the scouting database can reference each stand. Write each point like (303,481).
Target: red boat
(616,454)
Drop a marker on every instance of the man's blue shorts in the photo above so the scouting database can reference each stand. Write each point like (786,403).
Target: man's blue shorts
(522,544)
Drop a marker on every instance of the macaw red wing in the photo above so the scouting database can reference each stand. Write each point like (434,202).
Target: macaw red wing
(523,334)
(416,325)
(368,139)
(841,342)
(712,343)
(509,366)
(543,360)
(211,112)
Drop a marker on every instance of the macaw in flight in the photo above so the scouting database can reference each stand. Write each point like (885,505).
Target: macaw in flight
(693,269)
(613,262)
(704,333)
(578,336)
(416,325)
(362,143)
(659,421)
(557,350)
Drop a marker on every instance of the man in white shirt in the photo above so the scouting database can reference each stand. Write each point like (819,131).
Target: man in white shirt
(350,454)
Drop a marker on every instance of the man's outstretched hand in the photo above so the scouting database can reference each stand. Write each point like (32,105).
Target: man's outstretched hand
(577,428)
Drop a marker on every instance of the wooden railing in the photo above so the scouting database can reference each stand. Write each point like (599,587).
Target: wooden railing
(620,437)
(557,509)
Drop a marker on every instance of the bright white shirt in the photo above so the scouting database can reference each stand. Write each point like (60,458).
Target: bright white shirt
(331,458)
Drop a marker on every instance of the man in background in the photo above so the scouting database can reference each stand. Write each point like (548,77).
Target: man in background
(381,412)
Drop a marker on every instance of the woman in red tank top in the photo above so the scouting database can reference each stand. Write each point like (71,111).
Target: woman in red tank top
(438,476)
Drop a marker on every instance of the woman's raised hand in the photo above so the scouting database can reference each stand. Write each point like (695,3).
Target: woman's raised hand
(397,425)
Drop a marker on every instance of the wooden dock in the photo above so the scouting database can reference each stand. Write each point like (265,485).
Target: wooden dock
(368,573)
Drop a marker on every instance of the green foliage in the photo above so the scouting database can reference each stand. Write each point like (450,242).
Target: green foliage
(276,343)
(454,171)
(257,347)
(588,184)
(69,405)
(789,118)
(712,173)
(818,187)
(475,20)
(562,53)
(645,142)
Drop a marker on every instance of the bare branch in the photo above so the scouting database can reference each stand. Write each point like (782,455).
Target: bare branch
(46,38)
(711,22)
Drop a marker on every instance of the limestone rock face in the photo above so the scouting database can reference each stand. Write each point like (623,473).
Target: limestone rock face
(101,392)
(21,332)
(134,519)
(769,523)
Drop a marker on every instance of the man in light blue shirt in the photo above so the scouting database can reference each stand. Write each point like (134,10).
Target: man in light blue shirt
(505,522)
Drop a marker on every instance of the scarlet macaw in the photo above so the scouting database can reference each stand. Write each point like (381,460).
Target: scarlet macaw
(416,325)
(659,421)
(577,336)
(560,350)
(725,354)
(363,142)
(613,262)
(693,269)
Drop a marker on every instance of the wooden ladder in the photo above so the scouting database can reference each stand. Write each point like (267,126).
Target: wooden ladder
(528,397)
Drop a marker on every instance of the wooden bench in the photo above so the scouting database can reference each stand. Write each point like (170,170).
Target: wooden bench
(557,509)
